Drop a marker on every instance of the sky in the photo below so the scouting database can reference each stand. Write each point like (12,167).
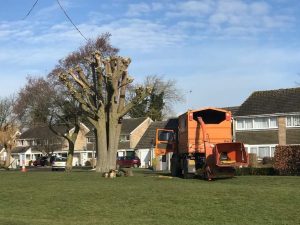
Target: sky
(217,51)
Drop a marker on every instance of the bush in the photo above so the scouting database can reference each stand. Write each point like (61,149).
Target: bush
(268,161)
(287,159)
(263,171)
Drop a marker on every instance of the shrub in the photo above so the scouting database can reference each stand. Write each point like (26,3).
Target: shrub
(287,159)
(268,161)
(264,171)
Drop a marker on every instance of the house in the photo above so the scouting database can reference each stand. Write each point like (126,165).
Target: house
(40,140)
(131,132)
(268,118)
(2,153)
(145,147)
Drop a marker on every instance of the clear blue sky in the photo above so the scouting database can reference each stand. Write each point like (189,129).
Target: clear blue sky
(218,51)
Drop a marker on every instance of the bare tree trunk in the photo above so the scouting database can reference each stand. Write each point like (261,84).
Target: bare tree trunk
(115,134)
(69,164)
(102,164)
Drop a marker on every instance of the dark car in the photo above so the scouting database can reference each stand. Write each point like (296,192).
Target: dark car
(128,161)
(41,161)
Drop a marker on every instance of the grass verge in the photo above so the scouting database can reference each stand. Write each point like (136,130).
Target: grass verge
(87,198)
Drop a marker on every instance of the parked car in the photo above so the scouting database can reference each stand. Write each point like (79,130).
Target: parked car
(128,161)
(41,161)
(59,163)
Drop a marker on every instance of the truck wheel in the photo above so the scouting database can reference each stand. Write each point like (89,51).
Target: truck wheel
(185,170)
(175,166)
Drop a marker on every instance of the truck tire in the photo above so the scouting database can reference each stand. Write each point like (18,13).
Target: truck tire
(175,166)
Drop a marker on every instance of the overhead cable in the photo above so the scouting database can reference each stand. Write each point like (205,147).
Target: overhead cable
(64,11)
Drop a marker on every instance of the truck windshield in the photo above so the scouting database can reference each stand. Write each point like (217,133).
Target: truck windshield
(165,136)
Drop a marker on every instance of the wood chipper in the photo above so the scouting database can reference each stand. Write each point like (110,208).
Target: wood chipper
(204,145)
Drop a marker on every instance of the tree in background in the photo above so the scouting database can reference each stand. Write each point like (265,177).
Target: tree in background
(8,127)
(34,102)
(159,104)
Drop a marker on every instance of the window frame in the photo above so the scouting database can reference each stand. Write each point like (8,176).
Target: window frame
(292,117)
(271,149)
(254,126)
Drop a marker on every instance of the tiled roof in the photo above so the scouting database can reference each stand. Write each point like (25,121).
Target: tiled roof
(148,139)
(128,125)
(232,109)
(41,132)
(124,145)
(270,102)
(20,149)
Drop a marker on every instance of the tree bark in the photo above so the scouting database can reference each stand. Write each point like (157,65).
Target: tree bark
(69,164)
(102,165)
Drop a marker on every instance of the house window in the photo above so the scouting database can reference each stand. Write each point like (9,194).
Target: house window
(256,123)
(264,152)
(261,123)
(261,150)
(240,125)
(91,140)
(248,124)
(273,122)
(124,138)
(272,151)
(293,121)
(253,150)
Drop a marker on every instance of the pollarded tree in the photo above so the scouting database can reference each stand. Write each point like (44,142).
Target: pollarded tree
(102,97)
(67,110)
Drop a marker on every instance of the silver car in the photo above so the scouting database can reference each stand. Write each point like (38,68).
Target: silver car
(59,163)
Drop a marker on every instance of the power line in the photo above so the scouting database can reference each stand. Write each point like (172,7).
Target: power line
(64,11)
(30,10)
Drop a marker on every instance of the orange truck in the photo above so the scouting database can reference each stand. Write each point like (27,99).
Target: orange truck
(202,145)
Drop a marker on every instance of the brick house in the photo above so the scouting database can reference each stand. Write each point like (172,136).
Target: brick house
(40,140)
(131,132)
(145,147)
(268,118)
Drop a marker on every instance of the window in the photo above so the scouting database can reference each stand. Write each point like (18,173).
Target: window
(272,151)
(124,138)
(263,152)
(240,124)
(256,123)
(273,122)
(253,150)
(248,124)
(91,140)
(164,135)
(261,123)
(293,121)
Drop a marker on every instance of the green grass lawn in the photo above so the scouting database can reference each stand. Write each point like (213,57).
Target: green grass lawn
(87,198)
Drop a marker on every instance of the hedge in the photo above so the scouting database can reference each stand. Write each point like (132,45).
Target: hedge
(264,171)
(287,159)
